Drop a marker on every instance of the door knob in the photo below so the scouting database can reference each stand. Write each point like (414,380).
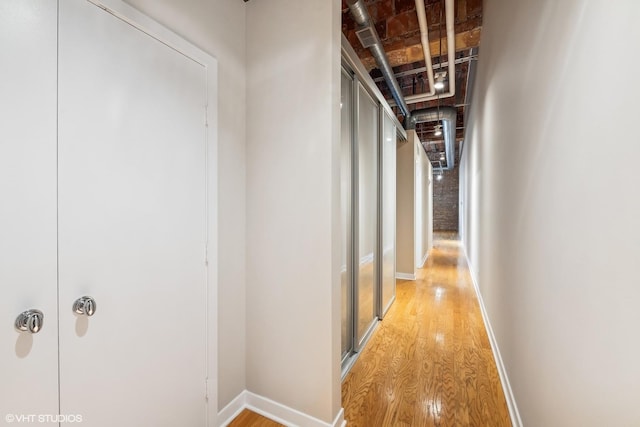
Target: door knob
(85,306)
(30,321)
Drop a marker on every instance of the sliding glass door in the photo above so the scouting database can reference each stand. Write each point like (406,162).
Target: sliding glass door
(367,195)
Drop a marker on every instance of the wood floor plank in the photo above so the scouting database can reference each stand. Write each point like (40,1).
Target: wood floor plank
(249,418)
(430,361)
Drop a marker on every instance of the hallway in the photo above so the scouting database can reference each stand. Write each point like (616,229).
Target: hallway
(430,361)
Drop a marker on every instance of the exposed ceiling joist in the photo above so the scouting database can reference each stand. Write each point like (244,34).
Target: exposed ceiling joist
(399,55)
(400,26)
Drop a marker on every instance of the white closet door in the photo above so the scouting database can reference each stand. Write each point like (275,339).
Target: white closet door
(132,214)
(28,362)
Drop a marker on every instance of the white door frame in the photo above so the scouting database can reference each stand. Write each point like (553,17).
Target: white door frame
(152,28)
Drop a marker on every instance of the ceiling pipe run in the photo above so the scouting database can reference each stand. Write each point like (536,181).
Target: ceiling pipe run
(426,48)
(448,115)
(451,56)
(444,64)
(370,39)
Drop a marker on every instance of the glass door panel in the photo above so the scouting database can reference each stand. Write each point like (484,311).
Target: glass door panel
(368,118)
(388,212)
(346,111)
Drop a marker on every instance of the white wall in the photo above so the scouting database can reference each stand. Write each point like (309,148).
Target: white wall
(293,204)
(550,211)
(218,27)
(414,208)
(419,197)
(423,205)
(429,210)
(405,212)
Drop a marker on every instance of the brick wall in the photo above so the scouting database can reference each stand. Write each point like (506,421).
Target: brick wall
(445,201)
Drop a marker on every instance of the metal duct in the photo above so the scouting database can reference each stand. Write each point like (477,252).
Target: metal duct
(361,16)
(448,115)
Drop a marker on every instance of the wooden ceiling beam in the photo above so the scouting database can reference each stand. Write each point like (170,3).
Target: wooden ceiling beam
(400,55)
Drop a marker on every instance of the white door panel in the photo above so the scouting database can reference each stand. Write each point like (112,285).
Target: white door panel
(28,363)
(132,218)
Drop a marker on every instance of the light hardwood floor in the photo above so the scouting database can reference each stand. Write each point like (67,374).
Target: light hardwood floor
(430,362)
(250,418)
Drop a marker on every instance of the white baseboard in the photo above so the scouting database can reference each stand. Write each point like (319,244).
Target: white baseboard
(232,410)
(273,410)
(424,259)
(405,276)
(516,421)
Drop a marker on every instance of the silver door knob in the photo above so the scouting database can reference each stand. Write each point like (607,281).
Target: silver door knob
(30,321)
(85,306)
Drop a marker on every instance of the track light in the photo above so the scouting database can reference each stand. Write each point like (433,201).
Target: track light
(439,84)
(439,173)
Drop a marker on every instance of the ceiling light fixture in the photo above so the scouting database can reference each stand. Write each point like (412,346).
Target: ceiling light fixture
(439,172)
(439,84)
(438,130)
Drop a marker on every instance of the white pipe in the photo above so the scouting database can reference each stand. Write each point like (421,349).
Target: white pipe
(451,54)
(426,49)
(418,70)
